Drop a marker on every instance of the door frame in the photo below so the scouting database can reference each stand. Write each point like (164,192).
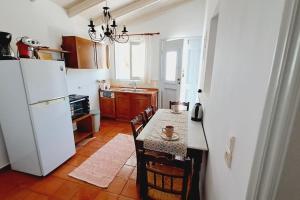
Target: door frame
(282,94)
(187,48)
(182,68)
(162,68)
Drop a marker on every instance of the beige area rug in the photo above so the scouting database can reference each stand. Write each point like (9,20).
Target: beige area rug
(101,168)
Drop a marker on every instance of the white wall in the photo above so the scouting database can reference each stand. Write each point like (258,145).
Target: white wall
(3,153)
(46,22)
(289,187)
(40,20)
(83,81)
(246,40)
(184,20)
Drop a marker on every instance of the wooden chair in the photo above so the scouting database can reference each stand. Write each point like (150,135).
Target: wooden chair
(176,103)
(148,113)
(137,124)
(168,179)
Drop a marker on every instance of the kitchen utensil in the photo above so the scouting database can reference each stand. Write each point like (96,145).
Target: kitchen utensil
(5,50)
(174,137)
(26,47)
(197,112)
(178,112)
(168,130)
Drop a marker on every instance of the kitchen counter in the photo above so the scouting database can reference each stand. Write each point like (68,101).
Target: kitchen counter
(126,103)
(149,91)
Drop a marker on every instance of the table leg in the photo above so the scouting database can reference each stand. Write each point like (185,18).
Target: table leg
(194,193)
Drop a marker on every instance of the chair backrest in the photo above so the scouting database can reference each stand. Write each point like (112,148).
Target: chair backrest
(176,103)
(137,125)
(169,176)
(148,113)
(154,109)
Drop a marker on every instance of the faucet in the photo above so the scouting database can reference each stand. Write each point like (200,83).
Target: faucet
(134,85)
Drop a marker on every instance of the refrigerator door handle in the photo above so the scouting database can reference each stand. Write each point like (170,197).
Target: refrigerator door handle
(48,101)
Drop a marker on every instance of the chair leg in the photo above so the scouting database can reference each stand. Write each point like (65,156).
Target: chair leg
(138,173)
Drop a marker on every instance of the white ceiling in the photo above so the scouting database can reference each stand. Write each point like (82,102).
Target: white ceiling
(66,3)
(111,3)
(150,10)
(97,10)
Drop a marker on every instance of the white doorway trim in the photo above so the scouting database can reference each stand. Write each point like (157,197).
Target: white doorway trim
(170,88)
(183,68)
(283,95)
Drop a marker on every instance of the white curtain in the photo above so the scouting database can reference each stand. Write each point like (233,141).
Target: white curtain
(148,55)
(148,59)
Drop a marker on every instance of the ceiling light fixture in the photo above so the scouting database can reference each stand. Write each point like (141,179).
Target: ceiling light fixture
(109,29)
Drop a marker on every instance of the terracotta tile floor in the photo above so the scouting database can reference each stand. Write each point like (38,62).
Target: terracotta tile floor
(59,186)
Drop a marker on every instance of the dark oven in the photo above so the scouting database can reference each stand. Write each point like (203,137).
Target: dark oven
(79,104)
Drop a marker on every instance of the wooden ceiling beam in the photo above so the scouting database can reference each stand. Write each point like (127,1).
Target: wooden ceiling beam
(82,6)
(132,7)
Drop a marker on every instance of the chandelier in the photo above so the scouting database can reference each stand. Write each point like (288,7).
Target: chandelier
(109,30)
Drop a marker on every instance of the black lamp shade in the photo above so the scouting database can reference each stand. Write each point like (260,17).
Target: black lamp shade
(124,30)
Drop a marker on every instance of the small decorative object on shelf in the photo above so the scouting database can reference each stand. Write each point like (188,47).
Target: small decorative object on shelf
(26,47)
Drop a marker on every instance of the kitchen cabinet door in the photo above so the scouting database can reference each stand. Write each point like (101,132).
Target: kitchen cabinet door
(85,54)
(123,106)
(82,51)
(107,107)
(139,102)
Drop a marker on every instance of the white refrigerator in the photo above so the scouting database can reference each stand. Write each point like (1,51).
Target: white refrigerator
(35,115)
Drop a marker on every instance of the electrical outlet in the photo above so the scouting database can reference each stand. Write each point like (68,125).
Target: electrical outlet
(229,152)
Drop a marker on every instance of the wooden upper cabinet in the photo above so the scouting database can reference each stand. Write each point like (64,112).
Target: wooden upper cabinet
(82,54)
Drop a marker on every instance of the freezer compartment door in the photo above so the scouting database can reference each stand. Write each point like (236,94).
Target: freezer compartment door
(53,132)
(44,80)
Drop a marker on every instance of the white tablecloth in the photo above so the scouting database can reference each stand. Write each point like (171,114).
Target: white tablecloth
(164,117)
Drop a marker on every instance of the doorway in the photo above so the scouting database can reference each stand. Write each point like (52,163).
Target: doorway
(180,65)
(171,71)
(191,69)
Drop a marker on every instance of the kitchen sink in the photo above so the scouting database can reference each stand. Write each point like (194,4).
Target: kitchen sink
(132,90)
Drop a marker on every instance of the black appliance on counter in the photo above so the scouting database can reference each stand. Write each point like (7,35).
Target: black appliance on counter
(197,112)
(5,50)
(80,105)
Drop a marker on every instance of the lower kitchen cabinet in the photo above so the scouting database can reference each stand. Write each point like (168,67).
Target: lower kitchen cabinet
(125,106)
(107,107)
(139,102)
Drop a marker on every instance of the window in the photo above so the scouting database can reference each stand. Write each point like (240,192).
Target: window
(171,65)
(130,60)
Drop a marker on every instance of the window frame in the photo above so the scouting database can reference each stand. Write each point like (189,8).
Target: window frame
(131,77)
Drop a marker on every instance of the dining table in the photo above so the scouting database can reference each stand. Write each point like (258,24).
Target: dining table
(191,143)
